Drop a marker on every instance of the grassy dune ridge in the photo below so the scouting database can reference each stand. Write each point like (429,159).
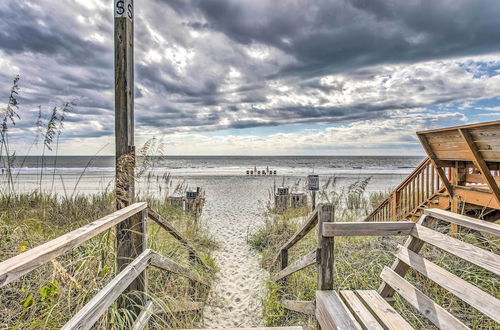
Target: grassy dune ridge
(358,262)
(49,296)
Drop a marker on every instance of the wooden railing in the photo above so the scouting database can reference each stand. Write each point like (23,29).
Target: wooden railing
(322,256)
(369,309)
(22,264)
(420,186)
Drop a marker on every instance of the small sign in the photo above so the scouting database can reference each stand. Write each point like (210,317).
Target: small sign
(124,8)
(313,182)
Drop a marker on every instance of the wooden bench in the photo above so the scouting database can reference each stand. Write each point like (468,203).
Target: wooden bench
(372,309)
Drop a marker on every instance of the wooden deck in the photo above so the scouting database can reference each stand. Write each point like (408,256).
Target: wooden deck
(461,174)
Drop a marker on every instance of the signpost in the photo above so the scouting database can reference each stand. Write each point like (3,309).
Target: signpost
(313,186)
(129,238)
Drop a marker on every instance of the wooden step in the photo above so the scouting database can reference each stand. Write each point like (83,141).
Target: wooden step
(270,328)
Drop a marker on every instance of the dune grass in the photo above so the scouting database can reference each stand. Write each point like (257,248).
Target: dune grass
(358,262)
(48,297)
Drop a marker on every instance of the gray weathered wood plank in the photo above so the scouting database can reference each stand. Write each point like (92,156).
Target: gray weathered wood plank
(359,310)
(465,221)
(332,313)
(15,267)
(307,260)
(142,320)
(300,306)
(399,267)
(472,295)
(466,251)
(177,235)
(159,261)
(95,308)
(303,231)
(383,311)
(385,228)
(435,313)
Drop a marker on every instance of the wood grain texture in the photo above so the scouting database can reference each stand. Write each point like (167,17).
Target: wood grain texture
(303,231)
(435,163)
(384,312)
(466,251)
(177,235)
(332,313)
(435,313)
(307,260)
(465,221)
(399,267)
(142,320)
(359,310)
(15,267)
(300,306)
(479,161)
(385,228)
(472,295)
(326,213)
(97,306)
(164,263)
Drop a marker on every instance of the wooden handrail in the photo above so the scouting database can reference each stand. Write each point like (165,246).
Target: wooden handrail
(307,260)
(164,263)
(308,225)
(17,266)
(95,308)
(386,228)
(464,221)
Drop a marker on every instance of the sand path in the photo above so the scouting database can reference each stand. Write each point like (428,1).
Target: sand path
(236,298)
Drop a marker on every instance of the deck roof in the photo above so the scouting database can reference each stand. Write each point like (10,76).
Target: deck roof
(455,143)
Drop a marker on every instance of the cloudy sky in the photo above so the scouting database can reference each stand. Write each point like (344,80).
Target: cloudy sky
(257,77)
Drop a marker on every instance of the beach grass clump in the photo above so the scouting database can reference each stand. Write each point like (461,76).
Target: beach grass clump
(358,262)
(47,297)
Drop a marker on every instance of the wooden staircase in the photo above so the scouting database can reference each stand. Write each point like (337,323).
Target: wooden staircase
(461,174)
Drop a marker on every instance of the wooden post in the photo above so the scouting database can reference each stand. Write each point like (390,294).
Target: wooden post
(313,200)
(129,233)
(284,264)
(324,255)
(325,248)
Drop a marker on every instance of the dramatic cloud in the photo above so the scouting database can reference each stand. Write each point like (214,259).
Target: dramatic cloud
(236,71)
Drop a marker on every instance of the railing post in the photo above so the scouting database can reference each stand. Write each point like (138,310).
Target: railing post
(284,264)
(395,203)
(325,248)
(324,256)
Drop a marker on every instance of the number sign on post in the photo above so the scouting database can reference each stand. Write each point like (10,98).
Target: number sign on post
(124,8)
(313,182)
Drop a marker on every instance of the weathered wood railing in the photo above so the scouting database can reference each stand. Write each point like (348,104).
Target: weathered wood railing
(322,257)
(19,265)
(362,309)
(421,185)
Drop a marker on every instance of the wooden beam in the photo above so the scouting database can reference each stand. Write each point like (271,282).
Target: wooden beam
(162,222)
(299,306)
(473,254)
(307,260)
(326,214)
(464,221)
(384,312)
(384,228)
(332,313)
(164,263)
(98,305)
(480,163)
(359,310)
(15,267)
(399,267)
(434,160)
(142,320)
(309,224)
(435,313)
(472,295)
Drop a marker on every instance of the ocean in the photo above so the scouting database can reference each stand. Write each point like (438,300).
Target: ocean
(87,174)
